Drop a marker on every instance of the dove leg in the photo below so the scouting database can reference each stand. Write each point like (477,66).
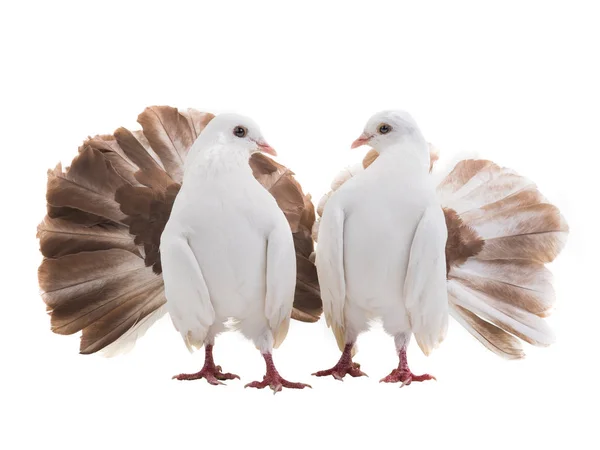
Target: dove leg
(211,372)
(272,378)
(344,366)
(257,329)
(356,322)
(402,374)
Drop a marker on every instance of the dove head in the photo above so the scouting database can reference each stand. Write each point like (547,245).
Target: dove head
(236,133)
(228,140)
(387,129)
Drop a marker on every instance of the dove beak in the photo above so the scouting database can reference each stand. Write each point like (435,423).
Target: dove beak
(362,140)
(265,148)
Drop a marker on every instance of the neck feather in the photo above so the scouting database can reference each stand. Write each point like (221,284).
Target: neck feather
(408,156)
(216,161)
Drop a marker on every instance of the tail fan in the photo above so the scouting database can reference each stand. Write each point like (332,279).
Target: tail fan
(101,272)
(498,283)
(501,233)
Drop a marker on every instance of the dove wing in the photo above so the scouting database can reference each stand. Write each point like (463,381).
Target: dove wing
(281,280)
(425,290)
(330,268)
(189,301)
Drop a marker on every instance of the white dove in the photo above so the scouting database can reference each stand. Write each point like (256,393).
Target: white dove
(227,250)
(385,257)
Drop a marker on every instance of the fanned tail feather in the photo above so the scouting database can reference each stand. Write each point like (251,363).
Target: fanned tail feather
(512,319)
(100,239)
(502,290)
(493,338)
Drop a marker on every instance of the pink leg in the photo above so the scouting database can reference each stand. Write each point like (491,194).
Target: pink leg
(403,374)
(210,372)
(273,379)
(344,366)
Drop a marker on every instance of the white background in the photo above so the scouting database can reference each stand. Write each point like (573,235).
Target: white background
(517,83)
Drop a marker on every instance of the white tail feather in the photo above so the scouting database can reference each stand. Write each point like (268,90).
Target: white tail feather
(518,322)
(492,338)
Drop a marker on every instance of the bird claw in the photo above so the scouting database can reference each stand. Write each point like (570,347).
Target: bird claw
(214,381)
(226,376)
(212,375)
(276,383)
(405,377)
(337,376)
(340,371)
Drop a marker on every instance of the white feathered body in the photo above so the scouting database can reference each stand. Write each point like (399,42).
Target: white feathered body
(389,271)
(228,253)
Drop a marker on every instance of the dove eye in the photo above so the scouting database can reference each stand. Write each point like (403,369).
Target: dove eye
(240,131)
(384,128)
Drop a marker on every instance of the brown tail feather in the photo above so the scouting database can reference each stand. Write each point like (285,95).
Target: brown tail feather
(88,185)
(59,237)
(308,306)
(150,174)
(481,190)
(123,318)
(527,196)
(82,287)
(280,182)
(520,220)
(492,337)
(148,211)
(462,173)
(170,136)
(512,319)
(538,248)
(77,216)
(525,285)
(197,120)
(112,152)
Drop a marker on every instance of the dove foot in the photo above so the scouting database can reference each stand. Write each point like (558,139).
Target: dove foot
(211,373)
(403,374)
(344,367)
(405,377)
(273,380)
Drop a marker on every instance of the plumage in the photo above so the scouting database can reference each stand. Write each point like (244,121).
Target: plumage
(493,338)
(425,297)
(149,174)
(104,293)
(462,243)
(501,233)
(107,212)
(526,285)
(169,134)
(88,185)
(307,291)
(279,182)
(529,327)
(59,237)
(148,211)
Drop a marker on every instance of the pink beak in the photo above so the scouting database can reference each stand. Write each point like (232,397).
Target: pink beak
(266,148)
(362,140)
